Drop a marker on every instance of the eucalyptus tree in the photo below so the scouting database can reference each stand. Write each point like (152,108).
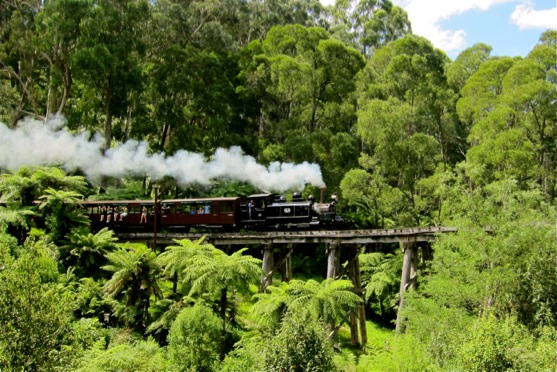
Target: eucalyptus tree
(134,281)
(192,69)
(482,90)
(20,59)
(466,64)
(58,31)
(107,68)
(510,105)
(406,120)
(368,25)
(302,82)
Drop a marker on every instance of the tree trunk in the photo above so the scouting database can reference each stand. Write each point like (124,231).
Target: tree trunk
(223,316)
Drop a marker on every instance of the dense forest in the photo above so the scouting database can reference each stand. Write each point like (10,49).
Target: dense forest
(405,136)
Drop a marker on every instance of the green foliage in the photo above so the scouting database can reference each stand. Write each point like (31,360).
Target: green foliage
(145,356)
(62,212)
(469,143)
(14,216)
(27,184)
(134,281)
(176,258)
(381,278)
(330,301)
(215,271)
(497,345)
(480,308)
(403,353)
(301,344)
(35,313)
(193,342)
(85,251)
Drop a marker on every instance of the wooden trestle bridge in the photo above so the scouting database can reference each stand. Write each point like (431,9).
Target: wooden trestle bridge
(277,248)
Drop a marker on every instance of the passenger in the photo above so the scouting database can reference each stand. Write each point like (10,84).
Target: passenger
(109,213)
(207,209)
(251,206)
(124,213)
(116,213)
(200,210)
(143,215)
(103,213)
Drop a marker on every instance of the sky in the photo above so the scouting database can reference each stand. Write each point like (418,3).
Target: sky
(510,27)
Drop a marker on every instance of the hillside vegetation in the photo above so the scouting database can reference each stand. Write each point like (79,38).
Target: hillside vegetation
(405,136)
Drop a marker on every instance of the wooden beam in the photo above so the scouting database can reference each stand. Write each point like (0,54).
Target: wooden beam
(341,237)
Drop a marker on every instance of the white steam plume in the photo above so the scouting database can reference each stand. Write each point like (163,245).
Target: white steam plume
(35,143)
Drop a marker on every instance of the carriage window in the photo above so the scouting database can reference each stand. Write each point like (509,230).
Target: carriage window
(134,210)
(188,209)
(165,209)
(226,207)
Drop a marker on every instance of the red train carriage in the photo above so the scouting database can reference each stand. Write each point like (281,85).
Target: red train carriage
(120,214)
(172,214)
(183,214)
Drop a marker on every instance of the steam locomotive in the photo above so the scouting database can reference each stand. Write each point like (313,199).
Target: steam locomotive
(260,212)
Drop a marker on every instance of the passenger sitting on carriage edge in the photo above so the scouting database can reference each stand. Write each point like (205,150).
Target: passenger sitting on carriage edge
(143,215)
(103,213)
(124,213)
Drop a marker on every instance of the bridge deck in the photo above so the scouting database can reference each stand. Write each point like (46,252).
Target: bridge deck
(415,234)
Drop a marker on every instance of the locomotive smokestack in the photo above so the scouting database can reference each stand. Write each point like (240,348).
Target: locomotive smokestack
(322,198)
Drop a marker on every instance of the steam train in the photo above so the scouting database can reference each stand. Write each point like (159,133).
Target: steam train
(260,212)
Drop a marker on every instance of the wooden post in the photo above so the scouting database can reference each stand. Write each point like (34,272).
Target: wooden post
(361,308)
(332,260)
(413,267)
(404,281)
(267,278)
(286,267)
(351,270)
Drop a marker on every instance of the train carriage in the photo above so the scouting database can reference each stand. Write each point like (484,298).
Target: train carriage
(120,214)
(222,212)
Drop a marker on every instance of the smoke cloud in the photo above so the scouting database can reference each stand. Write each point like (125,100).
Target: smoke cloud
(36,143)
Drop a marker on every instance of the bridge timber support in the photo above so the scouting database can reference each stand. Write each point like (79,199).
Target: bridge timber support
(348,242)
